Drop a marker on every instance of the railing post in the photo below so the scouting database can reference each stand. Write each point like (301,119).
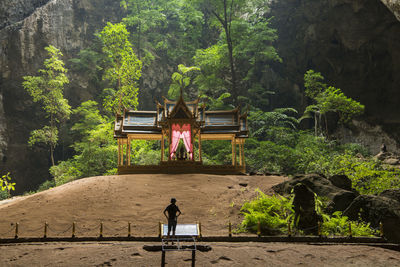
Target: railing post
(350,233)
(101,229)
(289,230)
(16,230)
(159,229)
(45,230)
(258,229)
(129,229)
(381,229)
(230,229)
(73,230)
(200,235)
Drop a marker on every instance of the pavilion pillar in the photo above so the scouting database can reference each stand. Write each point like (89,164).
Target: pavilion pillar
(119,152)
(243,161)
(162,146)
(128,147)
(233,151)
(240,153)
(200,159)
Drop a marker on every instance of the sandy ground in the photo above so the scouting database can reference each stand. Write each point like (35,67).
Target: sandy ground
(222,254)
(140,199)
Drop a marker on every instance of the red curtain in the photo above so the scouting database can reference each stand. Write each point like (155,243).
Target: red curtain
(179,132)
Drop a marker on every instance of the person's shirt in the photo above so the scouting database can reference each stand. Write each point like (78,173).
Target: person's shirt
(172,209)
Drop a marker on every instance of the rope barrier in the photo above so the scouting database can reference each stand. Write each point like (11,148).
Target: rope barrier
(9,231)
(34,230)
(90,228)
(58,233)
(73,228)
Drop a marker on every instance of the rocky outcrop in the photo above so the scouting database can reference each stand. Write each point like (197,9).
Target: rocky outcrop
(341,181)
(394,6)
(391,193)
(372,136)
(376,210)
(339,198)
(304,207)
(14,11)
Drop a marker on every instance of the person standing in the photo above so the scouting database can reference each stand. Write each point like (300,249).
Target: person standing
(172,217)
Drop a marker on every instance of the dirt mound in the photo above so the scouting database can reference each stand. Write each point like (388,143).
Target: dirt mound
(212,200)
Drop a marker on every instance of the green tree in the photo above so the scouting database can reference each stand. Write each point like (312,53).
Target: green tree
(181,80)
(246,40)
(261,122)
(327,99)
(95,146)
(124,70)
(143,17)
(47,89)
(162,28)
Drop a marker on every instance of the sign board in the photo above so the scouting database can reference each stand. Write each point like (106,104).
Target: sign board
(182,230)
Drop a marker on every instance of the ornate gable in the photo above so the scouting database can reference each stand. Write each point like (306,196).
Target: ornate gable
(180,110)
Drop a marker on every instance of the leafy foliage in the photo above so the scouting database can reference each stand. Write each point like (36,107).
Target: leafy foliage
(238,22)
(96,149)
(261,121)
(275,212)
(171,28)
(339,225)
(181,80)
(328,99)
(47,89)
(124,71)
(6,185)
(272,212)
(368,176)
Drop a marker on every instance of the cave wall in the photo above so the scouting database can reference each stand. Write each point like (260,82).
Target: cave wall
(355,44)
(27,27)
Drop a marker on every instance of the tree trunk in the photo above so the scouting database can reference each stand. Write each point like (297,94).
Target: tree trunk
(326,126)
(52,155)
(51,140)
(230,53)
(315,124)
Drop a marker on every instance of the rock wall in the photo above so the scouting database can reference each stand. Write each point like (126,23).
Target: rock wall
(355,44)
(26,27)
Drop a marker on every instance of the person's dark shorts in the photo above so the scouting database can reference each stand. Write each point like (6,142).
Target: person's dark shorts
(172,225)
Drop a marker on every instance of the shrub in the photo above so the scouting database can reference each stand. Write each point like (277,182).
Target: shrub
(339,225)
(272,212)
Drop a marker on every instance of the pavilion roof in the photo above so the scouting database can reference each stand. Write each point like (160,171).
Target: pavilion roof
(210,121)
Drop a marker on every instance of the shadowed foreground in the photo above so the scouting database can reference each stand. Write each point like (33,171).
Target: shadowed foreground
(222,254)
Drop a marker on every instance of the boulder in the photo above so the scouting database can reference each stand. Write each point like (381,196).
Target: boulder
(376,210)
(323,187)
(383,155)
(391,193)
(341,181)
(316,182)
(304,208)
(391,161)
(341,201)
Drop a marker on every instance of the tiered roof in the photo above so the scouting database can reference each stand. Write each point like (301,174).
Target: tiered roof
(209,122)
